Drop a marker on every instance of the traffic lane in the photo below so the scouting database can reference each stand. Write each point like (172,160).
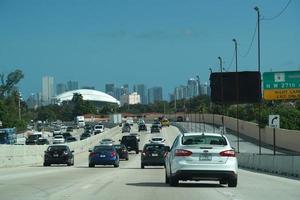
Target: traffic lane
(131,182)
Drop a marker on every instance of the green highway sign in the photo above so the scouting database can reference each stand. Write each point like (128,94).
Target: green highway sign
(281,85)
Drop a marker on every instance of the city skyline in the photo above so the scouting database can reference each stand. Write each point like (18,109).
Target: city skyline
(95,43)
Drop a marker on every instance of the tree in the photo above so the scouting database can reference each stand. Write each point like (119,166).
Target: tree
(8,85)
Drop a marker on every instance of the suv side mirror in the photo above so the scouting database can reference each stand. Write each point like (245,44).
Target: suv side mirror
(167,148)
(90,150)
(120,140)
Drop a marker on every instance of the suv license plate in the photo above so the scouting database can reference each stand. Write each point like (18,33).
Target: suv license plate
(102,156)
(154,154)
(205,157)
(55,155)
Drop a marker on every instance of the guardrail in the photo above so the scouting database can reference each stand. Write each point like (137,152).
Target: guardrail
(22,155)
(277,164)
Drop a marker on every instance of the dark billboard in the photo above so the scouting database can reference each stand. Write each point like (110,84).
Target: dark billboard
(235,87)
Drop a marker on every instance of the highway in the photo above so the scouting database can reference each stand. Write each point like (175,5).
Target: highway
(129,181)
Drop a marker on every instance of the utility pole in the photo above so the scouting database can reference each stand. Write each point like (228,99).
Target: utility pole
(258,63)
(237,96)
(222,94)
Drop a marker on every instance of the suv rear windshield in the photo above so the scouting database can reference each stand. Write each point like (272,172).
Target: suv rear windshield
(203,139)
(128,138)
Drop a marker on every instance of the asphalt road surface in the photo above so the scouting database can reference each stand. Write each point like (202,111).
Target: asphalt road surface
(129,181)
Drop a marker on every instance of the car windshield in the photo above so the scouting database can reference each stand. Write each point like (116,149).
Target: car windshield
(203,139)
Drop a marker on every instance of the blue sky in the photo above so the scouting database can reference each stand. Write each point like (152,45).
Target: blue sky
(156,42)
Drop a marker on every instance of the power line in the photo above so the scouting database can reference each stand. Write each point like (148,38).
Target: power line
(280,13)
(251,44)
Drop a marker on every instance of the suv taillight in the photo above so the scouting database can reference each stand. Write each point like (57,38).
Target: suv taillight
(113,154)
(227,153)
(92,154)
(183,152)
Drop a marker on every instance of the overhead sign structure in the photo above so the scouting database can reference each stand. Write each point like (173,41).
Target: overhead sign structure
(281,85)
(274,121)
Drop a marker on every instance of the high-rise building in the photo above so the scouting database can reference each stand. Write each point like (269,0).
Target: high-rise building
(193,89)
(61,88)
(130,99)
(181,92)
(118,93)
(110,89)
(72,85)
(47,90)
(141,90)
(125,89)
(155,94)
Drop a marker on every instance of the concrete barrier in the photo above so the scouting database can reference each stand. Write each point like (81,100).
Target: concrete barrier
(22,155)
(279,164)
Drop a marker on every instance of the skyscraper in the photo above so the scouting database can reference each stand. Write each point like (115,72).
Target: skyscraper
(110,89)
(61,88)
(155,94)
(47,89)
(125,89)
(181,92)
(72,85)
(141,90)
(193,89)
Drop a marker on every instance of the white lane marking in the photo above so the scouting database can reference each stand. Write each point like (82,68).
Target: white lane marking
(86,186)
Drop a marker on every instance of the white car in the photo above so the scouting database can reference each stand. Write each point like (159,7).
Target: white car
(98,129)
(201,156)
(58,139)
(157,140)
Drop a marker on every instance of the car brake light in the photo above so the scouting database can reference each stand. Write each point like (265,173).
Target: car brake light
(113,154)
(183,152)
(227,153)
(92,154)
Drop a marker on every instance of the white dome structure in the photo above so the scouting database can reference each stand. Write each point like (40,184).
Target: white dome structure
(87,95)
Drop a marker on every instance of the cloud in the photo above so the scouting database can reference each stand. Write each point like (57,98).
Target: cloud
(113,34)
(186,33)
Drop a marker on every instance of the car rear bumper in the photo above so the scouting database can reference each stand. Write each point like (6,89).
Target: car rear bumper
(204,175)
(60,160)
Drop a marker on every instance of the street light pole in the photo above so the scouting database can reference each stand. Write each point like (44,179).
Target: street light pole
(258,60)
(237,96)
(222,93)
(19,105)
(213,111)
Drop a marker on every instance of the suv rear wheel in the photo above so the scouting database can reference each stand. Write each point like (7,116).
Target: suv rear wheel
(91,165)
(142,166)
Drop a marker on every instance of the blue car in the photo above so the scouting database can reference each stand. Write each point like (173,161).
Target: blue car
(104,155)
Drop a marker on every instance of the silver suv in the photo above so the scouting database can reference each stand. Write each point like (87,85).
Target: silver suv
(201,156)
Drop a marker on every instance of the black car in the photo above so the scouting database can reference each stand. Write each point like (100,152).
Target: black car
(42,141)
(154,155)
(32,139)
(122,151)
(85,135)
(88,128)
(58,154)
(142,127)
(126,128)
(67,135)
(70,129)
(155,128)
(131,143)
(71,139)
(179,119)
